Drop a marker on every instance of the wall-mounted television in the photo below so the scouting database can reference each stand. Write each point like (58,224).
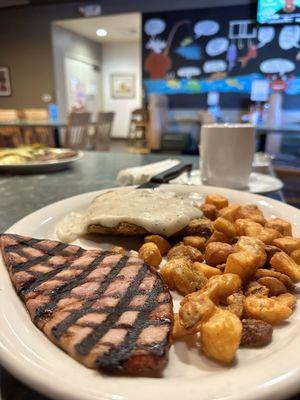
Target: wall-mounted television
(278,11)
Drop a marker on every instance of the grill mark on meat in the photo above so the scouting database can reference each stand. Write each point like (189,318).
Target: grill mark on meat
(114,358)
(89,342)
(64,291)
(59,329)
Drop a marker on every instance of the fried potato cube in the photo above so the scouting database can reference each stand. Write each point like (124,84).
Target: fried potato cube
(181,250)
(266,309)
(217,200)
(220,336)
(242,263)
(266,235)
(217,253)
(235,304)
(187,280)
(256,289)
(280,225)
(118,250)
(225,226)
(230,212)
(240,225)
(194,309)
(287,244)
(288,299)
(219,287)
(207,270)
(295,255)
(150,253)
(218,237)
(167,270)
(283,263)
(252,245)
(210,211)
(252,212)
(195,241)
(178,330)
(163,245)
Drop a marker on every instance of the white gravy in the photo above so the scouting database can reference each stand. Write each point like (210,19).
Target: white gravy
(157,211)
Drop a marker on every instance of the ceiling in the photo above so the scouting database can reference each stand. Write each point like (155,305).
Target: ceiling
(120,28)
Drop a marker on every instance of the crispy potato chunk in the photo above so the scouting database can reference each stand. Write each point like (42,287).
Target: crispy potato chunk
(167,270)
(220,336)
(243,263)
(252,212)
(254,246)
(266,235)
(210,211)
(286,280)
(225,226)
(288,299)
(286,265)
(275,286)
(219,287)
(256,289)
(235,304)
(217,200)
(178,330)
(295,255)
(194,309)
(280,225)
(287,244)
(150,253)
(118,250)
(266,309)
(230,212)
(195,241)
(217,237)
(181,250)
(188,280)
(217,253)
(163,245)
(207,270)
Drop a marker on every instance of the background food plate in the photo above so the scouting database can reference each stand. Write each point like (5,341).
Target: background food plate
(272,372)
(41,166)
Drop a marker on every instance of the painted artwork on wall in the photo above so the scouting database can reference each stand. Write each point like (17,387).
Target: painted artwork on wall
(5,86)
(122,86)
(201,51)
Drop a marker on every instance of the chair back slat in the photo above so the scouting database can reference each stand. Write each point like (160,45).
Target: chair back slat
(77,130)
(103,131)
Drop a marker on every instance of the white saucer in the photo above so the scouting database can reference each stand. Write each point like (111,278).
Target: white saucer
(259,183)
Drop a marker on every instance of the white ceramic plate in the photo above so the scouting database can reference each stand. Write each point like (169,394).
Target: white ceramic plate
(41,166)
(258,183)
(272,372)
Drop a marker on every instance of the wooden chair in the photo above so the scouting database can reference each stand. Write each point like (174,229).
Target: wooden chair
(76,135)
(39,134)
(101,140)
(10,136)
(138,127)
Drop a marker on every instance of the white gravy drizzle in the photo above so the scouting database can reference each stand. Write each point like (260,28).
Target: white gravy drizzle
(157,211)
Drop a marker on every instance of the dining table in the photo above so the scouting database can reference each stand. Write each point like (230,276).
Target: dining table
(23,194)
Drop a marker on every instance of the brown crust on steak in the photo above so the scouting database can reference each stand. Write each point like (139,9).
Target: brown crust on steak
(198,226)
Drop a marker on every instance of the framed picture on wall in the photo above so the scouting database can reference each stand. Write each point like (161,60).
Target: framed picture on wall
(5,86)
(122,86)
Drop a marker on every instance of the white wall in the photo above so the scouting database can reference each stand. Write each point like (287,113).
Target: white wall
(68,44)
(121,58)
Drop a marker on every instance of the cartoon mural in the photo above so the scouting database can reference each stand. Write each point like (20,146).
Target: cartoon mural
(201,51)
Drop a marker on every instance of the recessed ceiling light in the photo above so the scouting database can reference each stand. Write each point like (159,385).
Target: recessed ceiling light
(101,32)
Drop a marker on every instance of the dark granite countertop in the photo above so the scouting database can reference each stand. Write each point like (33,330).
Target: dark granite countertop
(24,194)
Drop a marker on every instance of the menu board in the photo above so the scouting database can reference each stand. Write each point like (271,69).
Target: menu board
(278,11)
(188,54)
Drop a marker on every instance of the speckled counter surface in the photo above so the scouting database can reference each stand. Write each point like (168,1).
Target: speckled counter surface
(21,195)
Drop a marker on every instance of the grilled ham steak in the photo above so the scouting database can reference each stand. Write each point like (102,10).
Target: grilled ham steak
(106,310)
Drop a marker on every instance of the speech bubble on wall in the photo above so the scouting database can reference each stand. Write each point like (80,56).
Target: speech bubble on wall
(154,26)
(289,37)
(188,72)
(214,66)
(277,66)
(207,27)
(217,46)
(265,35)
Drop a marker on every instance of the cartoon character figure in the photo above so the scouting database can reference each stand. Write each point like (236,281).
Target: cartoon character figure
(251,54)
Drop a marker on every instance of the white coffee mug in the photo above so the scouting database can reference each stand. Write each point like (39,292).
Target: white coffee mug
(227,152)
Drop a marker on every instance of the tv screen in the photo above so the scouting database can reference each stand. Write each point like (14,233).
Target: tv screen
(278,11)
